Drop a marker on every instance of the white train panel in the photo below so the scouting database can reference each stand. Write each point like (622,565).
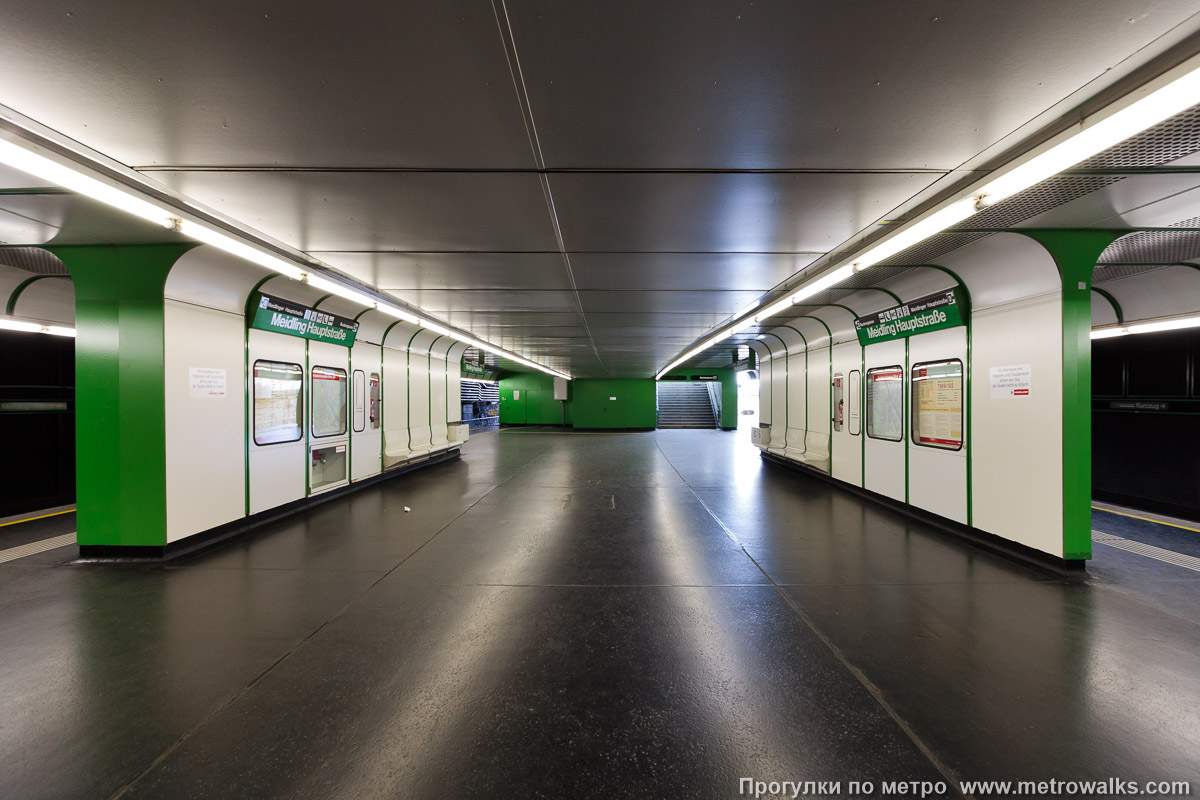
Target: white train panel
(419,433)
(797,403)
(395,406)
(884,390)
(1017,453)
(438,380)
(847,409)
(816,442)
(937,474)
(205,394)
(278,444)
(366,418)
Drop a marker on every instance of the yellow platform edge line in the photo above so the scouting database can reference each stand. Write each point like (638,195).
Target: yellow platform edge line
(1145,519)
(31,519)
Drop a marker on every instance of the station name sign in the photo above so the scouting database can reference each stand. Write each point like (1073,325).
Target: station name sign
(930,313)
(474,369)
(293,319)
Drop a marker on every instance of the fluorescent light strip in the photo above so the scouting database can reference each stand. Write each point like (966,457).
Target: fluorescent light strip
(1169,94)
(1149,326)
(42,163)
(46,165)
(9,324)
(341,290)
(239,248)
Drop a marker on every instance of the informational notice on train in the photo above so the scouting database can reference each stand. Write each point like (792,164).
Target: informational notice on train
(1015,380)
(938,404)
(206,382)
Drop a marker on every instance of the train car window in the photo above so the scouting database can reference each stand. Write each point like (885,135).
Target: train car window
(359,394)
(328,401)
(885,403)
(278,402)
(839,402)
(854,402)
(376,411)
(937,404)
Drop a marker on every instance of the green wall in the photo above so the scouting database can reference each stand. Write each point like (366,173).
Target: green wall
(588,404)
(729,391)
(635,405)
(536,405)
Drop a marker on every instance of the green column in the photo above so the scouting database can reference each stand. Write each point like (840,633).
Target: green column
(1076,253)
(120,426)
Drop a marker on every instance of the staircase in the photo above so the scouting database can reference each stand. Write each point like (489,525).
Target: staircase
(685,405)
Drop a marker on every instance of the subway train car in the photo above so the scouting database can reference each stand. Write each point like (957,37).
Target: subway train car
(275,395)
(943,388)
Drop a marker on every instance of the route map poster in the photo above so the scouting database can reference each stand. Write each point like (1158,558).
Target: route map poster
(885,403)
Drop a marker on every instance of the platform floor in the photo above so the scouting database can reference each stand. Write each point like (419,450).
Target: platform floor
(585,615)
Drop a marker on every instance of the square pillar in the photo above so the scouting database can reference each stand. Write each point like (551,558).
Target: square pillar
(119,395)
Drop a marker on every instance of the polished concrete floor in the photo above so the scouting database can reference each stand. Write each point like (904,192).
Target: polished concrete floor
(584,615)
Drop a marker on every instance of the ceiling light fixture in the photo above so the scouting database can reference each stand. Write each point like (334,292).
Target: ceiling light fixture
(47,165)
(83,178)
(22,326)
(1172,92)
(1148,326)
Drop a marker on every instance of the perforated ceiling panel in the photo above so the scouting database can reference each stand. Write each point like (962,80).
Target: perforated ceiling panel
(1153,247)
(32,259)
(1112,272)
(1177,137)
(932,248)
(1037,199)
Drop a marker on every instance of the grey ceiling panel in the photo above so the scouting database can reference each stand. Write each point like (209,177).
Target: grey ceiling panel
(721,212)
(698,153)
(723,303)
(739,271)
(696,322)
(480,322)
(532,332)
(406,272)
(17,230)
(268,83)
(617,333)
(441,301)
(380,211)
(776,83)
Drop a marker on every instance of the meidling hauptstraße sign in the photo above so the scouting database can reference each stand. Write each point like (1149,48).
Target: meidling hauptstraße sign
(293,319)
(930,313)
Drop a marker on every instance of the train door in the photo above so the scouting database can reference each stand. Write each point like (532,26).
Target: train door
(365,412)
(329,427)
(885,383)
(277,400)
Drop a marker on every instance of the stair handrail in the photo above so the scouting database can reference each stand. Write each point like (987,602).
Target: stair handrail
(714,398)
